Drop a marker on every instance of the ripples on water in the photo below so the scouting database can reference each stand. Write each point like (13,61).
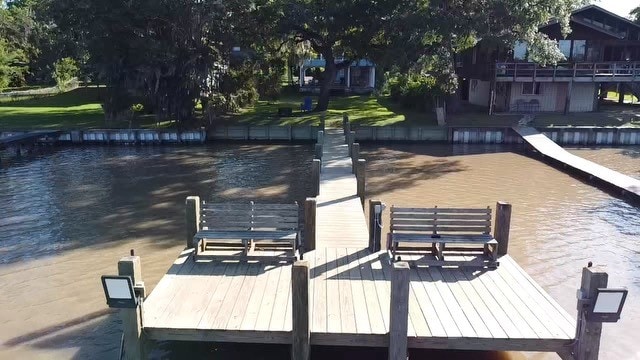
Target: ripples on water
(69,215)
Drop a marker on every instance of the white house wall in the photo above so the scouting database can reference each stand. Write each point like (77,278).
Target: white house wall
(582,97)
(547,97)
(479,92)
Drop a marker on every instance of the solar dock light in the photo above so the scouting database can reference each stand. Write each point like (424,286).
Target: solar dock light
(606,306)
(119,292)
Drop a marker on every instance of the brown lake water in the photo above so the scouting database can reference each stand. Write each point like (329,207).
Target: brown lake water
(67,216)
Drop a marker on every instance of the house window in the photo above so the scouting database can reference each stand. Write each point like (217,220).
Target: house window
(579,50)
(531,88)
(565,48)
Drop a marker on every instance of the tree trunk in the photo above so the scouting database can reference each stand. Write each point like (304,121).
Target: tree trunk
(327,80)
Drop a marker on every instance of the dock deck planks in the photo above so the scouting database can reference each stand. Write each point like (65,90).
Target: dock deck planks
(554,151)
(217,300)
(340,221)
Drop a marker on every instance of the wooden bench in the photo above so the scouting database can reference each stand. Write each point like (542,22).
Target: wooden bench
(458,231)
(248,230)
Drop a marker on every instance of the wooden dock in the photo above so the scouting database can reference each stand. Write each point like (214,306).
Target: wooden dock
(344,294)
(29,137)
(550,149)
(235,301)
(340,220)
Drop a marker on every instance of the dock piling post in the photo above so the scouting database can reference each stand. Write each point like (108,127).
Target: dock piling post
(345,124)
(300,347)
(589,332)
(374,229)
(315,177)
(355,155)
(318,151)
(502,226)
(351,136)
(192,217)
(361,179)
(310,206)
(399,311)
(134,348)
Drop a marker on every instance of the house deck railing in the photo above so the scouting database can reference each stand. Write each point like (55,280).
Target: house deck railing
(624,70)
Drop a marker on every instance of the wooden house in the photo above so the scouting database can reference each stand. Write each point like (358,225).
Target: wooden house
(602,51)
(358,77)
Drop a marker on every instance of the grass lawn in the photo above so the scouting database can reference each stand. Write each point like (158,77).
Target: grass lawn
(628,98)
(371,111)
(362,109)
(79,108)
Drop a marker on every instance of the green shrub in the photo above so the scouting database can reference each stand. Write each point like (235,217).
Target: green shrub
(65,72)
(416,91)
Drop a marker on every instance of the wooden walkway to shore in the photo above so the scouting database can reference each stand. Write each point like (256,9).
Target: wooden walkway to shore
(548,148)
(235,301)
(340,221)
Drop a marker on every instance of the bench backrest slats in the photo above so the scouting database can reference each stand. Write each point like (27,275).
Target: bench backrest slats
(249,216)
(443,221)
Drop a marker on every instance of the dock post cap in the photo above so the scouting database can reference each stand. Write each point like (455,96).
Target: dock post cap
(401,265)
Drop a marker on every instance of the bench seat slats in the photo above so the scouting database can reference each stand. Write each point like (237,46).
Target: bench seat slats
(402,221)
(255,235)
(460,239)
(441,216)
(249,227)
(256,207)
(442,229)
(433,229)
(248,223)
(398,210)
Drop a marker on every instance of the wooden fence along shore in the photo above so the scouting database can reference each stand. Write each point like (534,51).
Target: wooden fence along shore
(344,288)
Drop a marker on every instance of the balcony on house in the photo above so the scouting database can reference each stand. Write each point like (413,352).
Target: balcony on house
(611,71)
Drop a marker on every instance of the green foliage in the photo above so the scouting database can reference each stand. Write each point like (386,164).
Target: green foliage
(163,51)
(351,29)
(65,71)
(269,78)
(635,15)
(413,91)
(12,65)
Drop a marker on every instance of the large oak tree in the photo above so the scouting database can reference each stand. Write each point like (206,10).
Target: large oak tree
(342,31)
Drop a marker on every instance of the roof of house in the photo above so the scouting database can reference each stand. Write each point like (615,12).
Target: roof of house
(598,8)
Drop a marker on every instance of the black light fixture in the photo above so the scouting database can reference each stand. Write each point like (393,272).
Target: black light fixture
(607,305)
(119,291)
